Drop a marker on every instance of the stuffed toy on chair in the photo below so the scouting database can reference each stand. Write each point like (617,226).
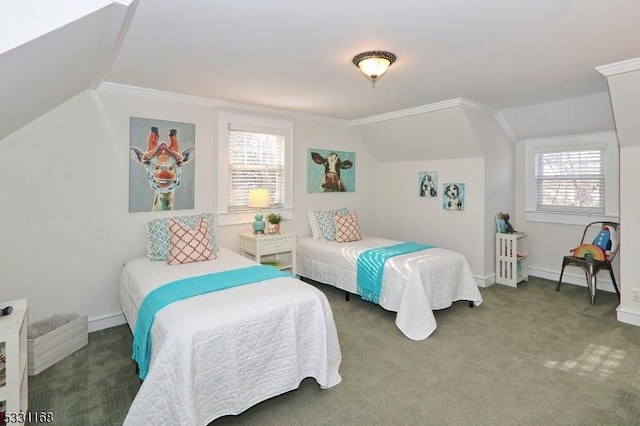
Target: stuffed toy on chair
(585,251)
(603,244)
(606,239)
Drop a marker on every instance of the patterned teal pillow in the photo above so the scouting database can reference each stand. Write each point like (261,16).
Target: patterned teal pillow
(158,233)
(327,223)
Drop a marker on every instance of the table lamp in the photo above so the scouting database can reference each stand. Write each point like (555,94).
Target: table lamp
(258,199)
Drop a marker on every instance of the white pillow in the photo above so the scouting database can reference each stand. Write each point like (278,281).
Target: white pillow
(313,223)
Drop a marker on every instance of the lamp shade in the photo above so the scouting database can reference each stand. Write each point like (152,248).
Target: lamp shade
(259,198)
(374,67)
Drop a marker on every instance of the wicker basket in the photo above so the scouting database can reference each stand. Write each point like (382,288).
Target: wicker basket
(54,338)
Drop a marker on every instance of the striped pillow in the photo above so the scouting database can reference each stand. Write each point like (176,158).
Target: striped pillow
(188,245)
(347,228)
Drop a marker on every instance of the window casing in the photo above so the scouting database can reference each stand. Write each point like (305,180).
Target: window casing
(572,179)
(253,152)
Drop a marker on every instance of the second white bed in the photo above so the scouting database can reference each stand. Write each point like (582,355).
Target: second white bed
(413,285)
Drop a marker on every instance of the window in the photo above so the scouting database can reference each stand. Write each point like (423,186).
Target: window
(256,159)
(253,152)
(572,179)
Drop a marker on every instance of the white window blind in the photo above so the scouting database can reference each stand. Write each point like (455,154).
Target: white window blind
(570,181)
(256,158)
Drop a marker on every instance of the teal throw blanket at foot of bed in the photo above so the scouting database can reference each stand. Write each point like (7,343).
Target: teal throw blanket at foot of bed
(370,266)
(184,289)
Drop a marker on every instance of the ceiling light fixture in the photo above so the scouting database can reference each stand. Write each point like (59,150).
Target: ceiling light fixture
(374,63)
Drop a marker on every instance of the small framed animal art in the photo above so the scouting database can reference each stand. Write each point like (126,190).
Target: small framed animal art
(161,168)
(428,184)
(331,171)
(453,196)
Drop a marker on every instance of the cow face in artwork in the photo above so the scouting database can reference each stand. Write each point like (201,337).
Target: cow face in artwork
(164,166)
(332,166)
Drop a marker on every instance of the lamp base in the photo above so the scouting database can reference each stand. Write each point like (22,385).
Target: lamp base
(258,225)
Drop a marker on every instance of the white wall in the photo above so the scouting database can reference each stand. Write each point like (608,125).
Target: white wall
(65,223)
(403,215)
(549,242)
(464,144)
(625,99)
(498,152)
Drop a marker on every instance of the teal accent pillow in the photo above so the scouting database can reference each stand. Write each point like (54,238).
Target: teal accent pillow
(158,234)
(326,222)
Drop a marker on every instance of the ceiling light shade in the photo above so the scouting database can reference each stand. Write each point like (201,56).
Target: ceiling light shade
(374,63)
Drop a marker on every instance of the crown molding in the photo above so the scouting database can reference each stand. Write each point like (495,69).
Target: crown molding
(209,102)
(506,127)
(619,67)
(437,106)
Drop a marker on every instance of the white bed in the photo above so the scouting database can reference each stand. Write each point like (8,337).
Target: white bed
(222,352)
(413,285)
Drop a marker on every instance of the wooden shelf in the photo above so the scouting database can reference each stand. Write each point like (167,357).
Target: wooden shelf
(13,340)
(511,258)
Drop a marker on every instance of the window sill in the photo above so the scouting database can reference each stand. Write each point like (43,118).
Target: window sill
(244,217)
(568,219)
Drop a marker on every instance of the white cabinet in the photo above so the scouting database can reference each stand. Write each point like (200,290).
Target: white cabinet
(511,258)
(13,348)
(280,249)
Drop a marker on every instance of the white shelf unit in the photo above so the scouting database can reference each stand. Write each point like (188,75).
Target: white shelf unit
(13,340)
(511,258)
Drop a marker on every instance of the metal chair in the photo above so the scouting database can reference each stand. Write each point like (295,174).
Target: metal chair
(591,266)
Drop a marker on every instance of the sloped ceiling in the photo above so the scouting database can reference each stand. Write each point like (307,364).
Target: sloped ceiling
(44,70)
(442,133)
(296,56)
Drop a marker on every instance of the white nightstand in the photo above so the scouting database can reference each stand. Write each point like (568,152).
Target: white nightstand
(258,246)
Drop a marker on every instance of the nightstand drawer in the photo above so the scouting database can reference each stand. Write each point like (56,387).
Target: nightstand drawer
(277,246)
(279,249)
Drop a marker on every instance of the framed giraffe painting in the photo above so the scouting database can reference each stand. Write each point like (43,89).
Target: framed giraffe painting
(161,166)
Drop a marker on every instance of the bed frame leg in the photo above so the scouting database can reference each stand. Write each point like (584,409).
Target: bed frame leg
(346,296)
(471,304)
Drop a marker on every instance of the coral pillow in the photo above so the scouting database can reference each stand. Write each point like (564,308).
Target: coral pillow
(188,245)
(347,228)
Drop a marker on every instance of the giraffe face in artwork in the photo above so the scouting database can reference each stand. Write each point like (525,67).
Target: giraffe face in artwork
(164,172)
(164,166)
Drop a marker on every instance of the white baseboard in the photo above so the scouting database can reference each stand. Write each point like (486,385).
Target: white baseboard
(571,278)
(485,281)
(628,317)
(106,321)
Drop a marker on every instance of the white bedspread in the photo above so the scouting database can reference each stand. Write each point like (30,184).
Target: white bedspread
(223,352)
(413,285)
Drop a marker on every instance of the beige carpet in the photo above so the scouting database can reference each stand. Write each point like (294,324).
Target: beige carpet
(526,356)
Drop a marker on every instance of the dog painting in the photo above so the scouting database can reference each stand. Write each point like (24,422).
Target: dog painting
(453,196)
(428,184)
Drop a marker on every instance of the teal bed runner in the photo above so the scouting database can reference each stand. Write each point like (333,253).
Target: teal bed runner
(370,266)
(184,289)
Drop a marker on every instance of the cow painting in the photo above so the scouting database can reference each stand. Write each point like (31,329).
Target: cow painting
(330,179)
